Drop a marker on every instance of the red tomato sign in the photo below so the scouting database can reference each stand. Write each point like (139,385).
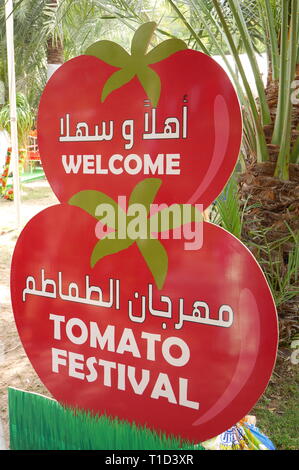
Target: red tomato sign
(190,359)
(191,140)
(126,307)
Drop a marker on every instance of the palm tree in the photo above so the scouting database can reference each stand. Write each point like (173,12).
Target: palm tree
(48,32)
(54,49)
(269,183)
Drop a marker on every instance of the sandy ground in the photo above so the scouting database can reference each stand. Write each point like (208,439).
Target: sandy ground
(15,368)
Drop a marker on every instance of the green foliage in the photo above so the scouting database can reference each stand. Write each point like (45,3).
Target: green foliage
(142,196)
(281,276)
(137,63)
(39,423)
(76,24)
(25,118)
(30,61)
(231,27)
(226,211)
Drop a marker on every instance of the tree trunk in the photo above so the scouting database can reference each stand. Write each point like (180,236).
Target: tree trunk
(271,211)
(55,53)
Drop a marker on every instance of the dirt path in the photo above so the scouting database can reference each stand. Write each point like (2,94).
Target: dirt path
(15,368)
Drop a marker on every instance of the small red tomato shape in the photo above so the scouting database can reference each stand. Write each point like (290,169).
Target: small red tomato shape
(108,119)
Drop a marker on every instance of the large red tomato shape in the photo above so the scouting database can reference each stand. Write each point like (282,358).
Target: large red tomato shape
(144,355)
(191,140)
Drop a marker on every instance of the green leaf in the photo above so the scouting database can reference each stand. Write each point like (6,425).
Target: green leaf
(89,200)
(164,50)
(109,52)
(175,216)
(156,259)
(151,83)
(116,80)
(228,207)
(108,246)
(142,37)
(145,192)
(136,64)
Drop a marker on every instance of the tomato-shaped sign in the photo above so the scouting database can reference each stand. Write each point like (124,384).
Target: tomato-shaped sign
(190,359)
(109,119)
(125,301)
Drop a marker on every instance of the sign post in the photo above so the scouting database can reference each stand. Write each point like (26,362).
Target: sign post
(13,108)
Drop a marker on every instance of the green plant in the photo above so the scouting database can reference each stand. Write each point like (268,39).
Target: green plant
(277,411)
(285,284)
(227,25)
(25,118)
(226,211)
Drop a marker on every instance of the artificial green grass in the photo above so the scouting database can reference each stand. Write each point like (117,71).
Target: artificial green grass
(40,423)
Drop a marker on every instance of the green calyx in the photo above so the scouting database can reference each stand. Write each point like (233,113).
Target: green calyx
(136,64)
(112,215)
